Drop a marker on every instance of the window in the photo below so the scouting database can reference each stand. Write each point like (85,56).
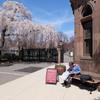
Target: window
(87,10)
(87,26)
(87,30)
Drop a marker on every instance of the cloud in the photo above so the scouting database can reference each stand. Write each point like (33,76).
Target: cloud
(57,21)
(58,18)
(70,33)
(43,12)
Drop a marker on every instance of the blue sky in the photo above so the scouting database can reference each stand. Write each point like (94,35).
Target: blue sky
(53,12)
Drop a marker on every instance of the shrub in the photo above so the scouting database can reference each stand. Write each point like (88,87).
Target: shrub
(6,56)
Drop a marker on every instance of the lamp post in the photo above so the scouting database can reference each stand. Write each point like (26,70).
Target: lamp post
(59,52)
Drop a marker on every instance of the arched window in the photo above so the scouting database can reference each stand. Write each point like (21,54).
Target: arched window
(87,30)
(87,10)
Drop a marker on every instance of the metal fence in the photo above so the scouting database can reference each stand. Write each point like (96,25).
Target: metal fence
(41,55)
(9,55)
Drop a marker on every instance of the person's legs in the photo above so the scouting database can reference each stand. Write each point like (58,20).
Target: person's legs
(69,81)
(64,83)
(64,76)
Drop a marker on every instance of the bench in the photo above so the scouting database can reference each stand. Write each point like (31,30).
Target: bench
(95,84)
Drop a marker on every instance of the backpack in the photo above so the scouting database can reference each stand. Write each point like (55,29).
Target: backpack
(85,78)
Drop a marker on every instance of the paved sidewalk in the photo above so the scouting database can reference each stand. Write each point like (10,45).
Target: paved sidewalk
(9,72)
(33,87)
(12,71)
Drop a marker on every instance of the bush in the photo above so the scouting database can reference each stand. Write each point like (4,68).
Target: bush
(59,65)
(6,56)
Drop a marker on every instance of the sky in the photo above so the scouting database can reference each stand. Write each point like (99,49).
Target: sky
(53,12)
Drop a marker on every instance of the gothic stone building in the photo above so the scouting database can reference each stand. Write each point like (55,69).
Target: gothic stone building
(87,34)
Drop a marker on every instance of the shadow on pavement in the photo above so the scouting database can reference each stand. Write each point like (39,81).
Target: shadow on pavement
(6,65)
(29,69)
(87,87)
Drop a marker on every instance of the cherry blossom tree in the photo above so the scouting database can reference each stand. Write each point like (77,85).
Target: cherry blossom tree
(15,21)
(10,12)
(34,34)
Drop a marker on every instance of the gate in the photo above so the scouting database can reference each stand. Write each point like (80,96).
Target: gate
(41,55)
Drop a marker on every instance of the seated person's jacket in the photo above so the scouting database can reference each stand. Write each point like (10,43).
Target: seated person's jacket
(76,69)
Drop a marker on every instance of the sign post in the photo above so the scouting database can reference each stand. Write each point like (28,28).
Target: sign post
(51,76)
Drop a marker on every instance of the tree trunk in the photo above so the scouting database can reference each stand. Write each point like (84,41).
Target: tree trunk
(3,37)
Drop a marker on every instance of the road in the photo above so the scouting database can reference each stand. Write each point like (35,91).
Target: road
(9,72)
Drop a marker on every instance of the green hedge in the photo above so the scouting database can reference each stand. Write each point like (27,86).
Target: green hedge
(6,56)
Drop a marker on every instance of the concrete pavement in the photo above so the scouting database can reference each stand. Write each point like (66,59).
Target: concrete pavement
(33,87)
(12,71)
(9,72)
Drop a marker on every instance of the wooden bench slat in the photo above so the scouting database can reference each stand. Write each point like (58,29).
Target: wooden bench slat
(76,78)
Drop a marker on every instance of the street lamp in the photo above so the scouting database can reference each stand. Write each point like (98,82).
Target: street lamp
(59,51)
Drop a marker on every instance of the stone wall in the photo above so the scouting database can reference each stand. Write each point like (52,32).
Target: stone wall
(88,63)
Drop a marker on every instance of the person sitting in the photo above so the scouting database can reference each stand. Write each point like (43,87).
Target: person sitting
(72,71)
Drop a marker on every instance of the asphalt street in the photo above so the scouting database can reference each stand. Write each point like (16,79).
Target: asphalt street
(9,72)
